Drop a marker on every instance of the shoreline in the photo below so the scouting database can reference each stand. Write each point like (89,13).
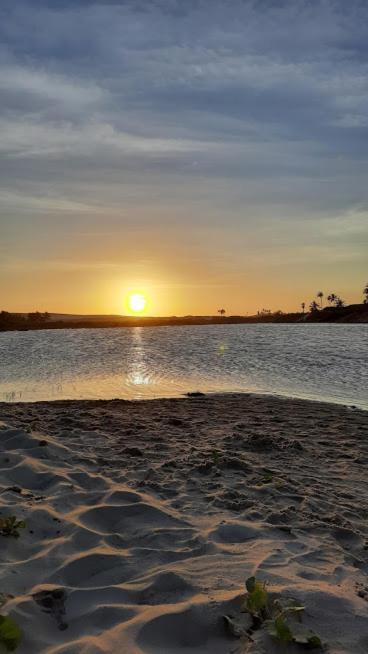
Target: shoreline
(350,314)
(145,517)
(189,396)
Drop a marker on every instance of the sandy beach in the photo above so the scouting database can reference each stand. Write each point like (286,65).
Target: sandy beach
(144,519)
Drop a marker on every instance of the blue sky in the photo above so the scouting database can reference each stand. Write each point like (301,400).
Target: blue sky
(209,151)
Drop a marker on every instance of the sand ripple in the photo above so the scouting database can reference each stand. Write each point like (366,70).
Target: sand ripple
(128,553)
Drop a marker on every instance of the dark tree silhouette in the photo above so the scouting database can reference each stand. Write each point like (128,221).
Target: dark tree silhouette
(303,306)
(221,312)
(336,300)
(365,294)
(320,295)
(314,306)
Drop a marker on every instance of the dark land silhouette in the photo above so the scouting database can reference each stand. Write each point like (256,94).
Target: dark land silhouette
(353,313)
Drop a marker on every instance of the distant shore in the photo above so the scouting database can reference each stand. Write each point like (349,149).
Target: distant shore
(354,313)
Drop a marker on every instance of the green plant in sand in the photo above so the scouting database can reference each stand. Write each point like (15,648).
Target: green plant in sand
(257,598)
(10,526)
(269,477)
(285,625)
(216,457)
(10,633)
(281,617)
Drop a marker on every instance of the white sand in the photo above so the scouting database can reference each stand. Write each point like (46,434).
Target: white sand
(148,541)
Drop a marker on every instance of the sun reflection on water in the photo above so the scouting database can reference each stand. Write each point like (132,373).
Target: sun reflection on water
(138,373)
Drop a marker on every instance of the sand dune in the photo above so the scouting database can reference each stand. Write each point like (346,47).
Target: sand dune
(143,520)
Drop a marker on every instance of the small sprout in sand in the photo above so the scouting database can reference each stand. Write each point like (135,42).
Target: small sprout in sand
(285,632)
(269,477)
(257,597)
(10,526)
(308,639)
(281,617)
(10,633)
(282,607)
(279,629)
(294,607)
(216,457)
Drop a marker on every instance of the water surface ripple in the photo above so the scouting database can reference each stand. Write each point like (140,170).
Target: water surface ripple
(323,362)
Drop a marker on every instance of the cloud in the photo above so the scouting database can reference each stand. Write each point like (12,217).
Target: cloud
(29,138)
(28,82)
(209,113)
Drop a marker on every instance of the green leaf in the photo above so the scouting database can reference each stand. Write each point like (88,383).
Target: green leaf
(279,630)
(295,609)
(216,457)
(250,584)
(282,630)
(9,526)
(10,633)
(257,598)
(307,638)
(314,641)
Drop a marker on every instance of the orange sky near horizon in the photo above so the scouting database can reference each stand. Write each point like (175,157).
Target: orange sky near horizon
(63,287)
(79,267)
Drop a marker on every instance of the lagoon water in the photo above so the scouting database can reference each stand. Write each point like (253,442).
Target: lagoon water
(322,362)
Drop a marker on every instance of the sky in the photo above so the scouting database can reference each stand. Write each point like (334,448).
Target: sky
(209,153)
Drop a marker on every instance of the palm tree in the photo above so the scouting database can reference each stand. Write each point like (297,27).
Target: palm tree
(303,306)
(313,306)
(320,295)
(221,312)
(336,300)
(365,293)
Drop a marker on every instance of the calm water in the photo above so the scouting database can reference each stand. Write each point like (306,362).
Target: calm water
(324,362)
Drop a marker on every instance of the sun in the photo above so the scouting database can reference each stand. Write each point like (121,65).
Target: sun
(137,302)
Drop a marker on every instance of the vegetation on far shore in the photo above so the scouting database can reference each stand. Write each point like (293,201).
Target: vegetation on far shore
(336,310)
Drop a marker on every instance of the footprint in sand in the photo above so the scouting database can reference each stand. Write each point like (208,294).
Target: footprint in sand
(53,602)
